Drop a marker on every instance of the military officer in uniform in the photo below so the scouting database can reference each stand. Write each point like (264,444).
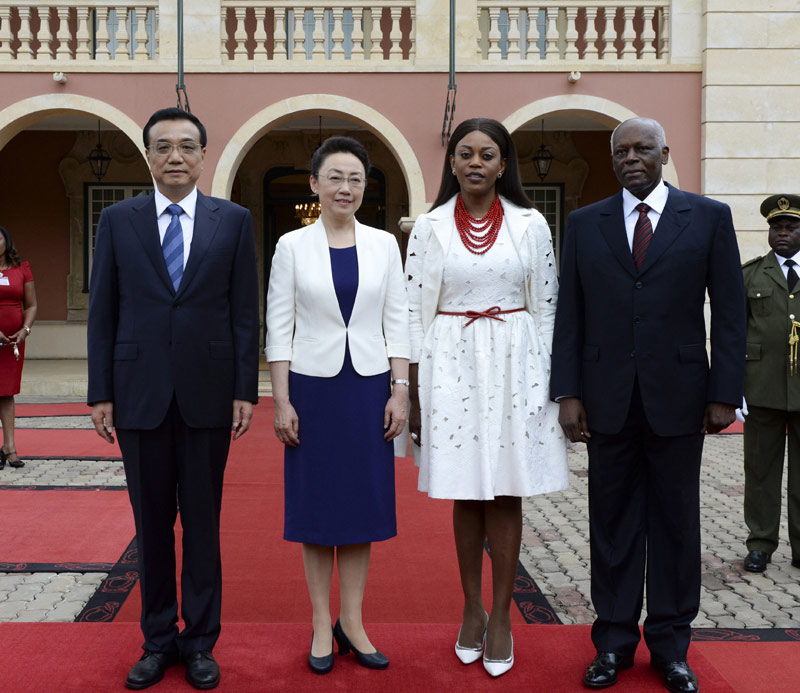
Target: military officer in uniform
(772,384)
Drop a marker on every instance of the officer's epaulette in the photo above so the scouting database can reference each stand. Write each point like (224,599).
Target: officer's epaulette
(750,262)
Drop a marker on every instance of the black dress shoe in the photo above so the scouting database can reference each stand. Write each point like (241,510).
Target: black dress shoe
(374,660)
(602,672)
(678,676)
(202,670)
(796,562)
(756,561)
(320,665)
(150,669)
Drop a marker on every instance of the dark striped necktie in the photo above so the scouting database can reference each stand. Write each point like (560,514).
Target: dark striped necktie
(172,246)
(642,235)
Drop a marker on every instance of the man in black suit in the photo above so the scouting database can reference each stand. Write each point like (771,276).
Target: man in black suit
(173,359)
(631,372)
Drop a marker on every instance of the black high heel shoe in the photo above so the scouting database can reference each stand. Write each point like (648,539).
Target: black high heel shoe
(2,459)
(12,463)
(320,665)
(376,660)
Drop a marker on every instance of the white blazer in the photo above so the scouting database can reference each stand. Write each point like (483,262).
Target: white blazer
(304,322)
(427,249)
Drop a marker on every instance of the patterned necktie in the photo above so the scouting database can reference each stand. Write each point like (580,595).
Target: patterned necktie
(172,247)
(791,275)
(642,235)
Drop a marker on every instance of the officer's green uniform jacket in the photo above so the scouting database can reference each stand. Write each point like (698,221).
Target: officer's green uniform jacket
(768,381)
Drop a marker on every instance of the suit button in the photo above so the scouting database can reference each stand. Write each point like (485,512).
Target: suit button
(637,319)
(638,285)
(758,295)
(791,317)
(791,295)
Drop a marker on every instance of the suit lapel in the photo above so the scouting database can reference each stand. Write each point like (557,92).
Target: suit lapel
(612,226)
(319,258)
(674,219)
(206,223)
(145,226)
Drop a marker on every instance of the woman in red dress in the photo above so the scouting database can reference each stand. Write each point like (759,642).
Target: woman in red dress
(17,313)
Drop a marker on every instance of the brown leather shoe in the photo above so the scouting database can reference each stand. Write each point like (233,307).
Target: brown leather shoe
(603,670)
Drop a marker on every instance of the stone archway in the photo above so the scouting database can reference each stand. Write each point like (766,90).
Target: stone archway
(607,113)
(15,118)
(263,121)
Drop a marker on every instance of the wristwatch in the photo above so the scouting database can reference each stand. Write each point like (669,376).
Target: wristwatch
(400,381)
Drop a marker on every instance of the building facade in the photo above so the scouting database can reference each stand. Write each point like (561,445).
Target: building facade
(271,79)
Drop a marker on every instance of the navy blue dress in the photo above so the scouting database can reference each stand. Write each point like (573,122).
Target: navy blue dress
(339,482)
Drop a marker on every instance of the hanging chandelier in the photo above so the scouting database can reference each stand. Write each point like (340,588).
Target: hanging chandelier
(307,212)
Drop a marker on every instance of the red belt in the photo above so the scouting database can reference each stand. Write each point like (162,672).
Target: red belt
(473,315)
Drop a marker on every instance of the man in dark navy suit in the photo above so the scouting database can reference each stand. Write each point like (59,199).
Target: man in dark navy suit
(173,360)
(631,372)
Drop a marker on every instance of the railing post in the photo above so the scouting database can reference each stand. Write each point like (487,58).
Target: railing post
(357,52)
(628,34)
(649,49)
(571,51)
(45,52)
(24,52)
(141,34)
(101,36)
(494,34)
(279,48)
(123,34)
(337,34)
(551,40)
(376,35)
(83,37)
(63,34)
(260,35)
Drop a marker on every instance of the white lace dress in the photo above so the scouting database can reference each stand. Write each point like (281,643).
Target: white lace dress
(488,425)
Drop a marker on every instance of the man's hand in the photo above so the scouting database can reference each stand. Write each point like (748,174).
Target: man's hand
(103,420)
(572,417)
(242,415)
(718,416)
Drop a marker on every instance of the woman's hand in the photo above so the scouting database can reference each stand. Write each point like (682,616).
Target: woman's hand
(3,339)
(287,424)
(415,423)
(396,413)
(19,337)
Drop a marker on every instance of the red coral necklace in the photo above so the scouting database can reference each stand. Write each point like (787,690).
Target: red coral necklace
(478,235)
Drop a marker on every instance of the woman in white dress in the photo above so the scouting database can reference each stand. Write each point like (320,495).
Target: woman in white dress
(482,291)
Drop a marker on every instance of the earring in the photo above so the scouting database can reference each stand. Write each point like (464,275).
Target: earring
(500,175)
(454,171)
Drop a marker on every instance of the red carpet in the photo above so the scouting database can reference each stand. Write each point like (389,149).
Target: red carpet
(65,526)
(268,657)
(412,604)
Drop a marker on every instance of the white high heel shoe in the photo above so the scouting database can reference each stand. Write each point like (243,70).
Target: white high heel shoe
(468,655)
(497,667)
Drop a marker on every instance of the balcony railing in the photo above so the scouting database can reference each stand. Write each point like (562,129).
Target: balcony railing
(320,33)
(350,35)
(63,30)
(603,31)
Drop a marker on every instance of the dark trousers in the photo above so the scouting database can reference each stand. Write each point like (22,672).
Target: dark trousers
(764,445)
(644,517)
(174,466)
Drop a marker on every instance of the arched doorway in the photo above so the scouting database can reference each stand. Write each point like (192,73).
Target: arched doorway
(51,202)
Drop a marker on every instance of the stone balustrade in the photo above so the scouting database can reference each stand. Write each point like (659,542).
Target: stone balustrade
(334,34)
(593,31)
(325,32)
(65,30)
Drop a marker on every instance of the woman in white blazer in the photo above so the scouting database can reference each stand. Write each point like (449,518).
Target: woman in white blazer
(482,288)
(337,343)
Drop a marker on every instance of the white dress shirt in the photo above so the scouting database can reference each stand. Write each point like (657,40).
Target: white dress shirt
(784,268)
(188,204)
(656,200)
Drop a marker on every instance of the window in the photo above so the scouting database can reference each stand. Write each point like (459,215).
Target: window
(98,197)
(549,200)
